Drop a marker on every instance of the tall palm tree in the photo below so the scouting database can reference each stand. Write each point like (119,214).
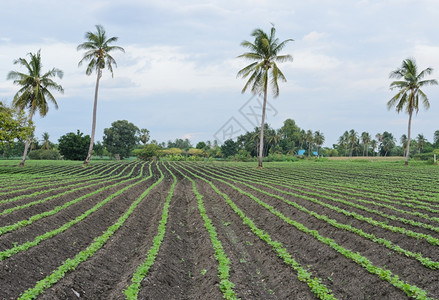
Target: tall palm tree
(409,91)
(319,139)
(365,139)
(98,57)
(420,142)
(263,71)
(373,144)
(343,141)
(46,142)
(353,138)
(35,90)
(310,140)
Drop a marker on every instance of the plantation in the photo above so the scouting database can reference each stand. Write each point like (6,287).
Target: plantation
(197,230)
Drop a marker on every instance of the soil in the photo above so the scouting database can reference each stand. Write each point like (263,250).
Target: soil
(186,267)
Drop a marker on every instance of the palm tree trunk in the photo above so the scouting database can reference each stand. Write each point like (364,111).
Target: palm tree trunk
(261,145)
(26,145)
(408,138)
(93,126)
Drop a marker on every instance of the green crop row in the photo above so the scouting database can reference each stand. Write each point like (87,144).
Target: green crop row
(132,291)
(410,290)
(226,285)
(71,190)
(418,256)
(71,264)
(315,284)
(29,244)
(430,239)
(23,223)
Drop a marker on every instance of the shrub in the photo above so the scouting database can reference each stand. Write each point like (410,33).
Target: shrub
(149,152)
(74,146)
(42,154)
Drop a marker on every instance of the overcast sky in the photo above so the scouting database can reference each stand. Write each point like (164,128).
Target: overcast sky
(178,75)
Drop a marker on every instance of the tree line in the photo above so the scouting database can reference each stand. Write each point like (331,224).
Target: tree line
(262,75)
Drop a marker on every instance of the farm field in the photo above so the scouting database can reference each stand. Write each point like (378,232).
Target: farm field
(203,230)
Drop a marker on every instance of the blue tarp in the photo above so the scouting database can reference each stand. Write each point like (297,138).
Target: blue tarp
(301,152)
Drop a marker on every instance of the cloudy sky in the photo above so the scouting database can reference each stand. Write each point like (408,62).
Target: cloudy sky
(178,75)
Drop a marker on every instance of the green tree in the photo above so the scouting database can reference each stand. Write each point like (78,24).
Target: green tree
(373,144)
(46,143)
(97,55)
(121,138)
(35,89)
(263,71)
(13,125)
(201,145)
(365,139)
(144,135)
(387,143)
(229,148)
(319,139)
(149,152)
(343,141)
(353,139)
(73,146)
(403,141)
(420,142)
(310,140)
(436,138)
(409,91)
(98,149)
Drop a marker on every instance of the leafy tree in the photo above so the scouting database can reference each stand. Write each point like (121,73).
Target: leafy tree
(201,145)
(144,135)
(35,89)
(319,139)
(263,71)
(13,125)
(343,141)
(121,138)
(290,136)
(73,146)
(180,143)
(98,57)
(229,148)
(409,91)
(99,149)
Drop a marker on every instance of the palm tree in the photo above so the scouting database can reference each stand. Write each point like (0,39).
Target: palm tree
(436,137)
(420,141)
(98,56)
(365,139)
(310,140)
(46,142)
(409,91)
(343,141)
(379,138)
(403,141)
(263,72)
(373,144)
(319,139)
(35,90)
(353,138)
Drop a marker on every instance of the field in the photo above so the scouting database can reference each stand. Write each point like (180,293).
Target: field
(187,230)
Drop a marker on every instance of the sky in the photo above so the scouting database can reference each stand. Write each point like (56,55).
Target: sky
(177,77)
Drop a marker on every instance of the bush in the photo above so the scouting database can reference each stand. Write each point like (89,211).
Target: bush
(148,152)
(42,154)
(423,156)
